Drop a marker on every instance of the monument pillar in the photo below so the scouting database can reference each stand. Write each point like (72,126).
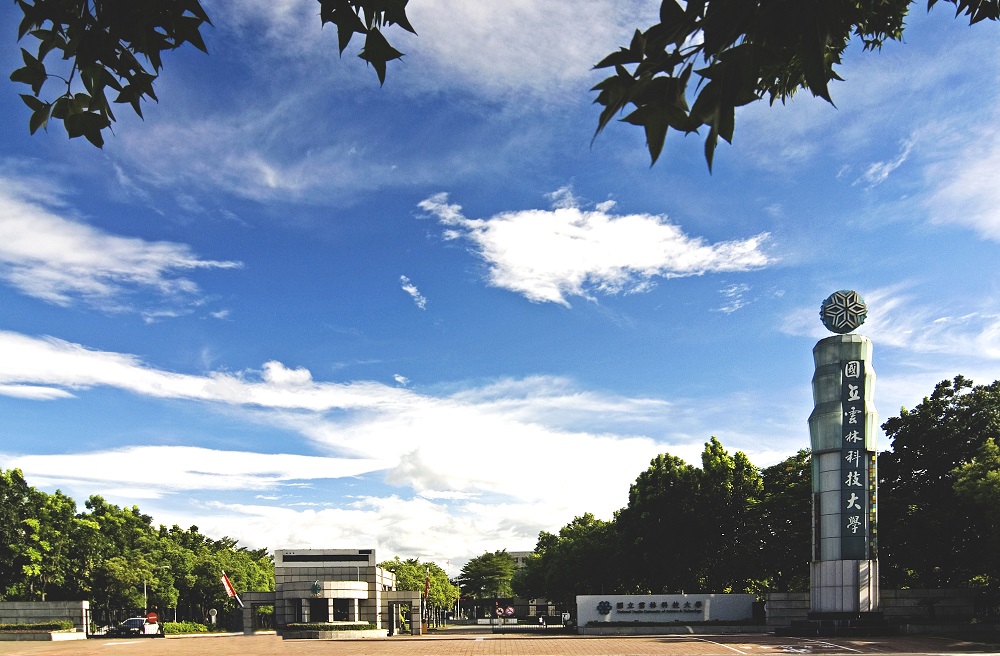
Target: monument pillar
(843,429)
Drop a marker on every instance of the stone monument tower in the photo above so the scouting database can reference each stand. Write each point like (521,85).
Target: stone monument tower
(842,429)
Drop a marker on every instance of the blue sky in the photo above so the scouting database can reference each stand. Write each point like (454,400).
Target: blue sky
(299,309)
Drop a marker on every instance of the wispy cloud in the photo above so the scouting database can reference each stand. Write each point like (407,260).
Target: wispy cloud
(734,298)
(410,437)
(961,177)
(63,261)
(550,255)
(521,46)
(896,319)
(429,445)
(418,299)
(878,172)
(34,392)
(186,468)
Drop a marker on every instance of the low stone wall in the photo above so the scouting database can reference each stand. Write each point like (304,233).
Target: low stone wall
(949,605)
(33,612)
(41,636)
(670,629)
(898,606)
(782,608)
(335,635)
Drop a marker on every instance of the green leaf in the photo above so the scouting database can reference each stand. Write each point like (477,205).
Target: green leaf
(32,73)
(340,13)
(32,102)
(188,30)
(87,124)
(377,52)
(655,121)
(39,119)
(671,12)
(395,13)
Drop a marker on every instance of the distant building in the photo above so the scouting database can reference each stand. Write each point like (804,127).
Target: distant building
(520,557)
(331,585)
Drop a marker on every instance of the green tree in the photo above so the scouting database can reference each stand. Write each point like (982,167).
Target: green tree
(53,538)
(731,492)
(923,521)
(659,527)
(735,52)
(16,500)
(978,483)
(584,558)
(694,529)
(786,517)
(411,574)
(488,575)
(117,46)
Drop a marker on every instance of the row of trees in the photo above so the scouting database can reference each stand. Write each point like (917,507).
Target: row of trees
(114,556)
(427,578)
(729,527)
(723,527)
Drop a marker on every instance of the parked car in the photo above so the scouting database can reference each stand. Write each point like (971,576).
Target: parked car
(136,627)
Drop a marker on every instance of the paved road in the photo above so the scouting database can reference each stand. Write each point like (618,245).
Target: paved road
(489,645)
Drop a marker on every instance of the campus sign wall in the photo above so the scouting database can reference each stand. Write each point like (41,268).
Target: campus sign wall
(665,608)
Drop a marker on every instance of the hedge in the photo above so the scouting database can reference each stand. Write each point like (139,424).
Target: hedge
(326,626)
(62,625)
(174,628)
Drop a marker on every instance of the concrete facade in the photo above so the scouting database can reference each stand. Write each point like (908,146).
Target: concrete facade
(34,612)
(331,585)
(663,608)
(898,606)
(843,428)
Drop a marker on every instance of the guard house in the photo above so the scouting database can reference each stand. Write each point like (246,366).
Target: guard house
(334,585)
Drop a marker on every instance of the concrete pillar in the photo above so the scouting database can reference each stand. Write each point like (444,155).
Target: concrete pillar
(843,429)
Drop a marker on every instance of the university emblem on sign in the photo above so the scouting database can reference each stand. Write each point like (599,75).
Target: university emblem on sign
(604,607)
(843,311)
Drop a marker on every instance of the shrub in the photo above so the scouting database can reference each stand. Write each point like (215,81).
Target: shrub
(173,628)
(62,625)
(328,626)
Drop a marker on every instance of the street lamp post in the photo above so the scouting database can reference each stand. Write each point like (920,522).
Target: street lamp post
(145,599)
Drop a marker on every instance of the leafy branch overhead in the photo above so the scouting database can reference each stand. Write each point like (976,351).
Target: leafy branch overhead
(741,51)
(736,51)
(116,46)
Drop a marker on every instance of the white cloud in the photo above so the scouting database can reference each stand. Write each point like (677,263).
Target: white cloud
(479,463)
(545,50)
(886,95)
(961,178)
(34,392)
(280,375)
(163,469)
(424,528)
(418,299)
(60,260)
(401,380)
(896,319)
(921,344)
(878,172)
(548,255)
(735,298)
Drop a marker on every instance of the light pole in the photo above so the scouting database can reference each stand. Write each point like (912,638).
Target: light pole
(145,599)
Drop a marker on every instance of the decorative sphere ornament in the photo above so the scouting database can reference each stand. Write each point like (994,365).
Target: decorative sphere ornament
(843,311)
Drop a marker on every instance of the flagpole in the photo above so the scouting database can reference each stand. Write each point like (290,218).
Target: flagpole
(230,590)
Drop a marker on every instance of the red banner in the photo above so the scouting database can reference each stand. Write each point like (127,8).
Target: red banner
(228,585)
